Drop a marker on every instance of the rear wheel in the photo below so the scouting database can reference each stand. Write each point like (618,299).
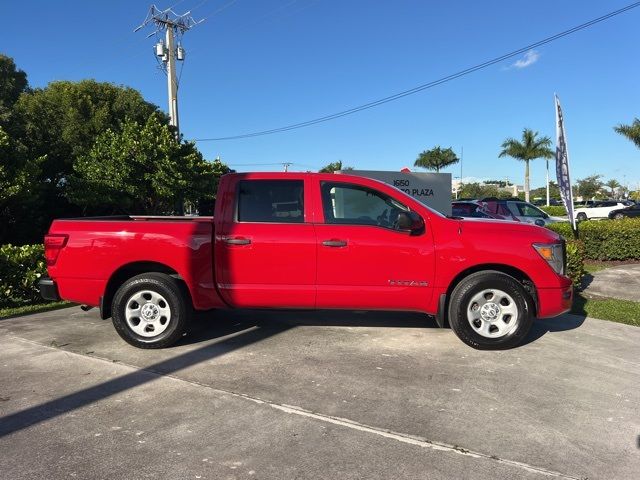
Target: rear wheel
(618,216)
(490,310)
(150,311)
(581,217)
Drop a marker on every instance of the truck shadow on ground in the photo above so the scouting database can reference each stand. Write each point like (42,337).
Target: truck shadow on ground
(558,324)
(215,334)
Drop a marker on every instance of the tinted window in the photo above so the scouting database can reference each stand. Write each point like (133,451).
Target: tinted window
(526,210)
(356,205)
(280,201)
(462,209)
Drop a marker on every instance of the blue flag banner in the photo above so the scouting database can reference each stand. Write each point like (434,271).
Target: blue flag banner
(562,165)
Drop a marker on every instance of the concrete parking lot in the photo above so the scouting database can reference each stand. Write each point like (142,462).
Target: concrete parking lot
(253,395)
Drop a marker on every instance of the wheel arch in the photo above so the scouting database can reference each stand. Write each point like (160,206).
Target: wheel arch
(519,275)
(129,270)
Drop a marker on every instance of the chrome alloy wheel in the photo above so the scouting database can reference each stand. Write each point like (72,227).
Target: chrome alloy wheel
(492,313)
(147,313)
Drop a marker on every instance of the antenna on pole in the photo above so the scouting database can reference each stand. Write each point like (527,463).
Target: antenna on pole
(167,52)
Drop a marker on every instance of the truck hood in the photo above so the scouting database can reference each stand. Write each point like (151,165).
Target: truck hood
(498,229)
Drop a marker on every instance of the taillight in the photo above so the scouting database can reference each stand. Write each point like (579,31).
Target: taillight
(52,246)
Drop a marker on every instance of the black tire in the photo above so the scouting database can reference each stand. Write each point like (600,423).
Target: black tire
(581,217)
(618,216)
(472,286)
(171,294)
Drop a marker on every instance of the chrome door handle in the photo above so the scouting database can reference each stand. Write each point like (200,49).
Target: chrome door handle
(237,241)
(334,243)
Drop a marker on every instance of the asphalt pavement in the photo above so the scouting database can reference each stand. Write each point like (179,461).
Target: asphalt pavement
(327,395)
(622,281)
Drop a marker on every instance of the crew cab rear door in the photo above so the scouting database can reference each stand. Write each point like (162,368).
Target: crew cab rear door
(363,261)
(266,250)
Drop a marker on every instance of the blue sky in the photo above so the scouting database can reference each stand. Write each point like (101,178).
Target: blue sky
(257,65)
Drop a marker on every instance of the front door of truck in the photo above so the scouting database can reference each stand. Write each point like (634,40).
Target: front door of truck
(267,247)
(364,261)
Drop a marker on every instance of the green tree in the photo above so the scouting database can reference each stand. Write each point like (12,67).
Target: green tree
(481,190)
(632,132)
(614,185)
(59,124)
(142,169)
(436,158)
(64,119)
(530,148)
(554,191)
(18,190)
(13,82)
(589,187)
(334,167)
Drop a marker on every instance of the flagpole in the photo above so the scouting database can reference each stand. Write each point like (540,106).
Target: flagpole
(562,166)
(547,182)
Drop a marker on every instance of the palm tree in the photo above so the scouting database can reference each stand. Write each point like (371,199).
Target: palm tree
(632,132)
(528,149)
(436,158)
(613,185)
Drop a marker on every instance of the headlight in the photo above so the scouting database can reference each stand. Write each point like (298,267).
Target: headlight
(553,253)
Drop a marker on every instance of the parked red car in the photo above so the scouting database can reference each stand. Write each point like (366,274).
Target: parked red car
(309,241)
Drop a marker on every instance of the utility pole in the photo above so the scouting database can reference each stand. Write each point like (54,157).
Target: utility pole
(166,51)
(172,81)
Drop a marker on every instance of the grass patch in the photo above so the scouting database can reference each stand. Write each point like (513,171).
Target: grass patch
(621,311)
(28,309)
(592,266)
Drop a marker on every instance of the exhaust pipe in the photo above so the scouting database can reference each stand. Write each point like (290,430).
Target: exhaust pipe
(85,308)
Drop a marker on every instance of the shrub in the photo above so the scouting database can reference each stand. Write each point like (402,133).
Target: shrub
(20,269)
(555,210)
(606,239)
(575,261)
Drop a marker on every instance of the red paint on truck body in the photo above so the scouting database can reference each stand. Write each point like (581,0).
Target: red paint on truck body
(228,263)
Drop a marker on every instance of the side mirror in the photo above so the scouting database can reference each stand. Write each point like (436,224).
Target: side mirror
(539,222)
(410,222)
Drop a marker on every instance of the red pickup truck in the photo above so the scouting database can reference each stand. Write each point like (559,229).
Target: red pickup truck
(309,241)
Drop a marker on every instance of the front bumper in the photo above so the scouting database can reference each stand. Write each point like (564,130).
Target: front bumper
(554,301)
(48,289)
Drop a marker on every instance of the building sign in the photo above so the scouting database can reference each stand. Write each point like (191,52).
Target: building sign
(431,189)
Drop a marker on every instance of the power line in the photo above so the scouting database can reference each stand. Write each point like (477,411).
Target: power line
(431,84)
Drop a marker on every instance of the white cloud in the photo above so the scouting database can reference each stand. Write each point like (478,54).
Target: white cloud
(529,59)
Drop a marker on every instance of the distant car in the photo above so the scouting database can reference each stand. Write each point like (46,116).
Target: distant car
(598,210)
(628,212)
(472,209)
(519,210)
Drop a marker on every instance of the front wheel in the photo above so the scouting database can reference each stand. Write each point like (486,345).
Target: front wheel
(618,216)
(150,311)
(582,217)
(490,311)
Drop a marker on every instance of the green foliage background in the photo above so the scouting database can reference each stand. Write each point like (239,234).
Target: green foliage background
(89,148)
(554,210)
(20,269)
(605,239)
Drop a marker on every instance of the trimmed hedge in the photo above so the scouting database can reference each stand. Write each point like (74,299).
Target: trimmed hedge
(555,210)
(20,269)
(575,262)
(606,239)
